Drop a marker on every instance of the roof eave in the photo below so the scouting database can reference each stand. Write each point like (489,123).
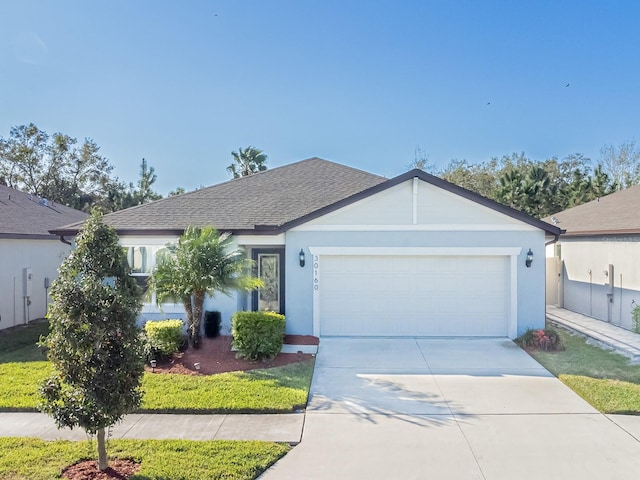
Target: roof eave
(596,233)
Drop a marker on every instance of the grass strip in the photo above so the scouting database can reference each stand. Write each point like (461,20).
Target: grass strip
(606,380)
(34,459)
(274,390)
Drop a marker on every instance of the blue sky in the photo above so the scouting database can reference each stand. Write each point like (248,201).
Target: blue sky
(363,83)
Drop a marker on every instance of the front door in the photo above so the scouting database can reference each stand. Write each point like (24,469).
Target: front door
(270,269)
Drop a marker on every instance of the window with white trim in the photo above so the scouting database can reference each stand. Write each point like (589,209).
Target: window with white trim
(141,260)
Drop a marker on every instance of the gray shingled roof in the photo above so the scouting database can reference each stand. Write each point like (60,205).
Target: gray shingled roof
(270,198)
(617,213)
(26,216)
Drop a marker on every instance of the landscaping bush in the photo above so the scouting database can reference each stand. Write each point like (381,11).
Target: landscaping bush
(257,335)
(546,339)
(163,338)
(635,319)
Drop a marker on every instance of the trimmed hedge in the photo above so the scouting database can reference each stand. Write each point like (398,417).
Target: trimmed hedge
(257,335)
(164,337)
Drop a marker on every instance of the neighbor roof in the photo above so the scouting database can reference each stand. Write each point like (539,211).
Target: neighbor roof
(275,200)
(616,213)
(28,216)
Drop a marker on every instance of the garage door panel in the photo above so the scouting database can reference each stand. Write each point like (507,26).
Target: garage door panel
(413,295)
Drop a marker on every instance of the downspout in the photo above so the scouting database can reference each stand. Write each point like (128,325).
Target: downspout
(556,238)
(63,240)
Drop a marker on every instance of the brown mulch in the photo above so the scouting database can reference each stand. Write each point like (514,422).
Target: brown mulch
(215,356)
(88,470)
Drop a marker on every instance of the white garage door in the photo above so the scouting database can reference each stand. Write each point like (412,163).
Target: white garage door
(367,295)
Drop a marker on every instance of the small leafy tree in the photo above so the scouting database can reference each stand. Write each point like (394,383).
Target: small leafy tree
(94,343)
(202,262)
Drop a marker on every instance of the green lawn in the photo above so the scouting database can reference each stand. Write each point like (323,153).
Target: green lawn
(19,344)
(34,459)
(279,389)
(604,379)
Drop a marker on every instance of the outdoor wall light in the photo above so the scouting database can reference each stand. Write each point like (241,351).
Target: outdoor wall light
(529,259)
(301,257)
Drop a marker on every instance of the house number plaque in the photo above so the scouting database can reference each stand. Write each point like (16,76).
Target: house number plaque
(316,281)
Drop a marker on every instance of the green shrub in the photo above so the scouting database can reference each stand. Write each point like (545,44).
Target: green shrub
(257,335)
(635,318)
(164,338)
(547,339)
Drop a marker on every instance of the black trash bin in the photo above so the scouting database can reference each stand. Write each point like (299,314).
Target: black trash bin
(212,324)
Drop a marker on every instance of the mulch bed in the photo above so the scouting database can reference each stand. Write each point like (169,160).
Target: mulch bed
(215,356)
(88,470)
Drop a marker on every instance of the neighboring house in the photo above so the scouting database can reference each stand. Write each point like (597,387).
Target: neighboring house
(595,267)
(29,254)
(348,253)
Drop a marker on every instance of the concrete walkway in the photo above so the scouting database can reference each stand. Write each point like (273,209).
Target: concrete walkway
(285,428)
(454,409)
(616,338)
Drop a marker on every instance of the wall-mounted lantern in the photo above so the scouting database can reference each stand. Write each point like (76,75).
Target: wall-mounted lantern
(529,259)
(301,257)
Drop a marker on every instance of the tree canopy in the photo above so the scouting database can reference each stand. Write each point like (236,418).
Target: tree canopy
(94,343)
(61,169)
(247,162)
(537,188)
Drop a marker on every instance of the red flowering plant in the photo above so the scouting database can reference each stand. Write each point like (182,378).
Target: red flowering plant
(546,339)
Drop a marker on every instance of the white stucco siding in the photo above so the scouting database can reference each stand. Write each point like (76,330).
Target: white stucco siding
(389,207)
(44,258)
(596,255)
(438,206)
(415,205)
(586,288)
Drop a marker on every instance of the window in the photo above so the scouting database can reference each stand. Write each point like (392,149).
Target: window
(137,257)
(140,263)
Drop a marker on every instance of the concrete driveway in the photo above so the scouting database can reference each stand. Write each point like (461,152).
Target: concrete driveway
(449,409)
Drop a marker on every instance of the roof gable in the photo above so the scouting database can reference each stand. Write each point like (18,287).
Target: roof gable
(419,204)
(441,203)
(23,215)
(616,213)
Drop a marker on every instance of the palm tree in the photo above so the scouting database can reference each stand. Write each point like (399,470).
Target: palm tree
(247,162)
(202,262)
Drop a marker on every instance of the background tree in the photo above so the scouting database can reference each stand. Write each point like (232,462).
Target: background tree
(60,169)
(94,342)
(480,178)
(622,164)
(123,196)
(54,167)
(144,193)
(421,161)
(247,162)
(538,188)
(202,262)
